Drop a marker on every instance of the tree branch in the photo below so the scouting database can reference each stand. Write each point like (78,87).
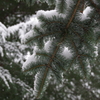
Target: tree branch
(40,36)
(63,38)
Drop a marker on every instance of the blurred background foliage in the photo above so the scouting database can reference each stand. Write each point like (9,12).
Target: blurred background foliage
(13,12)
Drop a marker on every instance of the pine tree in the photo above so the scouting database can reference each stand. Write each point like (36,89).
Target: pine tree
(72,24)
(14,84)
(66,50)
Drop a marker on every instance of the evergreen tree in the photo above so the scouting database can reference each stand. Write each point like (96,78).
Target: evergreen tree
(66,50)
(73,24)
(14,12)
(14,84)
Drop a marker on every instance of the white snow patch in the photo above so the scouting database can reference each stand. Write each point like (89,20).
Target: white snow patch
(22,29)
(85,14)
(35,81)
(92,74)
(1,51)
(14,28)
(5,75)
(47,45)
(3,31)
(33,21)
(26,36)
(3,26)
(98,91)
(22,33)
(86,84)
(31,59)
(49,13)
(96,50)
(28,55)
(66,53)
(24,86)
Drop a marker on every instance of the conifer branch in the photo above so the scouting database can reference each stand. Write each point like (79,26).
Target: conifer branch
(71,63)
(54,22)
(80,60)
(77,34)
(63,38)
(33,68)
(42,54)
(43,81)
(84,28)
(40,36)
(78,56)
(73,14)
(56,50)
(75,48)
(51,59)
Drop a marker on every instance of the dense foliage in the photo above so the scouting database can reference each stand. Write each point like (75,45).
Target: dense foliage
(13,12)
(65,48)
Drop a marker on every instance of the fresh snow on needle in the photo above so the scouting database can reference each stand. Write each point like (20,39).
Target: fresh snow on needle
(5,75)
(49,13)
(66,53)
(85,14)
(31,59)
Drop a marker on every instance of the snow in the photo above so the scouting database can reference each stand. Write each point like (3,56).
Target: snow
(24,86)
(66,53)
(3,31)
(26,36)
(24,29)
(96,50)
(27,55)
(92,74)
(33,21)
(3,26)
(31,59)
(5,75)
(47,45)
(14,28)
(1,51)
(49,13)
(22,33)
(35,81)
(85,14)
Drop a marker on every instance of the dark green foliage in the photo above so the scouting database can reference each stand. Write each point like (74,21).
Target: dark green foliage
(75,34)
